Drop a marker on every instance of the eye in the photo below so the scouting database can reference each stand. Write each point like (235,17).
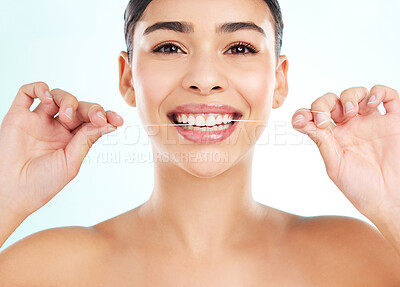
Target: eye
(166,48)
(241,47)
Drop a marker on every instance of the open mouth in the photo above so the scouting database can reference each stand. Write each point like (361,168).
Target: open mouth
(205,123)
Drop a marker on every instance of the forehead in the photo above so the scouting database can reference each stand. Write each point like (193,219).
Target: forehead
(205,14)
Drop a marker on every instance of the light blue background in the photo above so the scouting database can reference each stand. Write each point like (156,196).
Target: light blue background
(74,45)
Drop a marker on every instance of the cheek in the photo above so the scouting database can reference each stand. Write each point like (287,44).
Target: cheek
(256,86)
(155,81)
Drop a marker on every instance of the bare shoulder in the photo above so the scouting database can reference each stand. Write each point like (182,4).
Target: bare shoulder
(118,229)
(350,248)
(54,256)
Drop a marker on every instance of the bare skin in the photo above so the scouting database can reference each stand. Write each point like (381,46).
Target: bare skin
(277,249)
(201,226)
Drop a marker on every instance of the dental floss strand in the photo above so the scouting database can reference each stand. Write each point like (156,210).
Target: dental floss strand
(252,121)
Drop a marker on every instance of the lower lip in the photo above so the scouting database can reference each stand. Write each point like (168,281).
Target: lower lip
(207,137)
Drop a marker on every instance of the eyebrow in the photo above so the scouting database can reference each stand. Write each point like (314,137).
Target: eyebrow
(185,27)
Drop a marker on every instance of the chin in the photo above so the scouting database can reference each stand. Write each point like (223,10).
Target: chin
(206,169)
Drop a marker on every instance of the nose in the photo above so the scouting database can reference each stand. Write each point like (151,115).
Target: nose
(205,76)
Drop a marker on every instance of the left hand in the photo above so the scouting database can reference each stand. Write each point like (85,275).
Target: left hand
(368,168)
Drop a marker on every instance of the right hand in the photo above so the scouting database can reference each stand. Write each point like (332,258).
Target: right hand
(39,153)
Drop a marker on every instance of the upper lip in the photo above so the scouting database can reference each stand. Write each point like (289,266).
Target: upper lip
(213,108)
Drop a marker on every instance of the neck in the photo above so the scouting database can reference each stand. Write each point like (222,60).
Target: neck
(202,214)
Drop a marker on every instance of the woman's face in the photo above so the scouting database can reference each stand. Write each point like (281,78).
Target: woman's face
(203,76)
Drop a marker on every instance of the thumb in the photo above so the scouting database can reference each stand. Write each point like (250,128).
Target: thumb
(80,144)
(323,136)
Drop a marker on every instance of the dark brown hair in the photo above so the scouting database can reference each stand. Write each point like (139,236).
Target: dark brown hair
(136,8)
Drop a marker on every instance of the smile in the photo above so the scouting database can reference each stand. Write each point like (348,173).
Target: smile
(205,123)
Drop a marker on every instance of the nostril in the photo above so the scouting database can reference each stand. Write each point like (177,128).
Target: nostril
(213,89)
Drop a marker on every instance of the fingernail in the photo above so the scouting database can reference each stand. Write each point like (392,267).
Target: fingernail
(372,99)
(298,119)
(48,95)
(349,107)
(101,115)
(115,113)
(68,112)
(321,119)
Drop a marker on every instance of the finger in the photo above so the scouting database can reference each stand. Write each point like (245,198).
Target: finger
(28,93)
(114,118)
(74,113)
(304,121)
(84,112)
(318,125)
(322,110)
(325,108)
(301,117)
(355,101)
(67,104)
(48,109)
(94,113)
(85,115)
(328,104)
(80,144)
(389,97)
(91,112)
(323,137)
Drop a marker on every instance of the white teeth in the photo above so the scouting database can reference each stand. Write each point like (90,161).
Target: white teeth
(208,129)
(200,121)
(210,121)
(205,122)
(225,119)
(218,121)
(191,120)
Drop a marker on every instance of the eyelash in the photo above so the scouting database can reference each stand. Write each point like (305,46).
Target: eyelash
(250,47)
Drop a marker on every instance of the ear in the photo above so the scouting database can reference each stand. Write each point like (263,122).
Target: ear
(125,80)
(281,86)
